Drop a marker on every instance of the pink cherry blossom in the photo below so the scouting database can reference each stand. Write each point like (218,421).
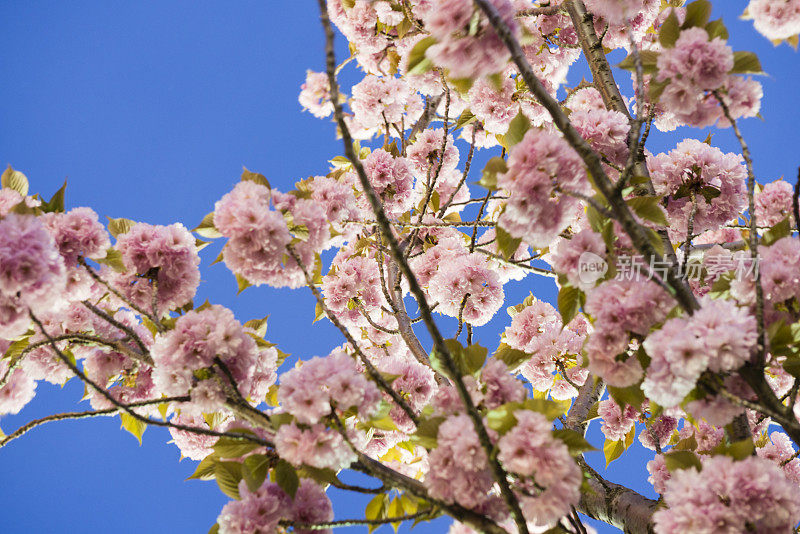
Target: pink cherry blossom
(729,496)
(160,260)
(32,273)
(315,94)
(775,19)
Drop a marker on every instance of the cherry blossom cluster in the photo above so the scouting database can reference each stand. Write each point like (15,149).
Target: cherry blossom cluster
(543,171)
(719,337)
(467,47)
(316,446)
(553,366)
(729,496)
(623,21)
(459,470)
(308,392)
(622,309)
(258,235)
(32,272)
(774,203)
(211,339)
(545,466)
(263,510)
(161,266)
(700,183)
(776,19)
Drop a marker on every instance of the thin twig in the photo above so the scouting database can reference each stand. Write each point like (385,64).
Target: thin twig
(124,407)
(83,415)
(371,370)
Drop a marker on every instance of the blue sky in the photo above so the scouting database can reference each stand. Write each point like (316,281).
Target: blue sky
(150,110)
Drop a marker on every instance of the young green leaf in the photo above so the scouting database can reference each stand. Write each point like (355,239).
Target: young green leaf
(746,63)
(11,179)
(286,477)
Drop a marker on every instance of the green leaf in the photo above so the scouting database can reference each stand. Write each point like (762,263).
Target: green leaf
(686,444)
(506,243)
(462,85)
(258,325)
(494,166)
(11,179)
(792,366)
(56,202)
(206,227)
(513,358)
(710,193)
(649,58)
(427,432)
(242,283)
(613,450)
(376,509)
(214,529)
(323,476)
(655,240)
(228,475)
(502,418)
(395,510)
(716,28)
(516,130)
(341,162)
(117,227)
(410,504)
(226,447)
(383,423)
(474,357)
(656,88)
(682,460)
(286,477)
(133,425)
(570,299)
(779,231)
(739,450)
(574,441)
(468,360)
(404,27)
(418,63)
(22,208)
(15,349)
(250,176)
(648,208)
(781,339)
(746,63)
(697,14)
(114,260)
(465,118)
(205,469)
(631,396)
(670,30)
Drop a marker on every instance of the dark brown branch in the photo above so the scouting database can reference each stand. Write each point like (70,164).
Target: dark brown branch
(83,415)
(679,289)
(416,289)
(355,522)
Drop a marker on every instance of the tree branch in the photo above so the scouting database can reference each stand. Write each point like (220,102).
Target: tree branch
(416,290)
(679,289)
